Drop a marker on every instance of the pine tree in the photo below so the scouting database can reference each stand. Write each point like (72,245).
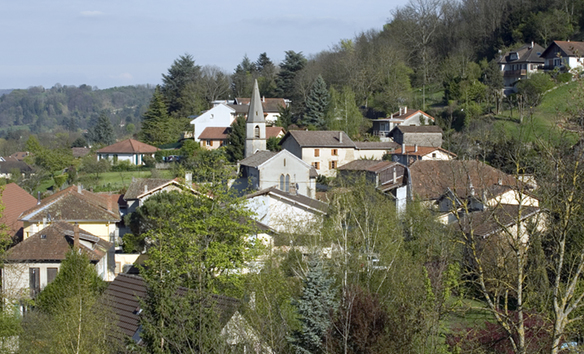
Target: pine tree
(181,88)
(156,124)
(242,78)
(343,114)
(315,308)
(236,146)
(102,132)
(292,64)
(267,79)
(316,104)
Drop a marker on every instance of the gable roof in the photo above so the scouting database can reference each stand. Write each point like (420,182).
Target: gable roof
(8,166)
(571,49)
(16,200)
(140,186)
(418,129)
(367,165)
(405,114)
(295,199)
(215,133)
(319,138)
(422,151)
(72,204)
(486,223)
(129,146)
(124,295)
(258,158)
(526,54)
(80,151)
(274,132)
(432,179)
(19,156)
(54,241)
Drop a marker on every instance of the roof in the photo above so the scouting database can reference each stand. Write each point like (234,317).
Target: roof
(319,138)
(490,221)
(258,158)
(297,199)
(215,133)
(407,113)
(422,151)
(129,146)
(367,165)
(75,204)
(80,151)
(271,105)
(141,185)
(20,155)
(526,54)
(571,49)
(256,111)
(274,132)
(432,179)
(419,129)
(8,166)
(125,292)
(376,145)
(54,241)
(15,200)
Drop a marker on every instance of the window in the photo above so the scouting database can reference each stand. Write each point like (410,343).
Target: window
(284,162)
(557,61)
(287,183)
(335,152)
(316,152)
(115,158)
(257,131)
(433,155)
(316,165)
(51,274)
(332,165)
(34,279)
(209,143)
(282,182)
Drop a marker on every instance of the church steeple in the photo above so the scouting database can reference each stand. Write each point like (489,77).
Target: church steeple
(256,124)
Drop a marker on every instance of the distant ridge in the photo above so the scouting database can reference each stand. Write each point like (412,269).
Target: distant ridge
(5,92)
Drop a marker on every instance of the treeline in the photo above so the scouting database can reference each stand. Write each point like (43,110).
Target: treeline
(72,107)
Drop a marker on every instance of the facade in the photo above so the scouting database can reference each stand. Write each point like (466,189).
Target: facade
(127,150)
(221,115)
(426,135)
(407,155)
(520,63)
(214,137)
(563,55)
(405,116)
(283,170)
(7,168)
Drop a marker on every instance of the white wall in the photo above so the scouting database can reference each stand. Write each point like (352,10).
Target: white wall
(284,164)
(282,215)
(219,116)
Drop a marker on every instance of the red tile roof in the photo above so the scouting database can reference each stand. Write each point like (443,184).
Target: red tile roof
(274,132)
(422,151)
(15,200)
(129,146)
(215,133)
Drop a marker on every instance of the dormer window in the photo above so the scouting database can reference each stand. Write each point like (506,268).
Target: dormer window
(513,56)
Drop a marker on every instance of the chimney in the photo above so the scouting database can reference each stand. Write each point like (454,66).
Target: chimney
(263,98)
(189,178)
(531,44)
(415,147)
(341,137)
(394,175)
(44,222)
(391,116)
(146,188)
(79,188)
(400,110)
(405,109)
(403,148)
(39,198)
(76,236)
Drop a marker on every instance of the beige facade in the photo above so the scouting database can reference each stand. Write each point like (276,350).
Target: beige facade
(107,231)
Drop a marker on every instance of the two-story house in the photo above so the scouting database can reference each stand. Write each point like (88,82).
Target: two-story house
(518,64)
(405,116)
(407,155)
(563,55)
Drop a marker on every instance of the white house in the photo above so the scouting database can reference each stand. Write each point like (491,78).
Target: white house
(127,150)
(563,55)
(405,116)
(221,115)
(518,64)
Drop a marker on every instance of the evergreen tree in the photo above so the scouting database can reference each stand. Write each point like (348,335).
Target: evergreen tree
(267,75)
(181,87)
(242,78)
(292,64)
(284,117)
(315,308)
(156,124)
(316,104)
(102,132)
(343,114)
(236,146)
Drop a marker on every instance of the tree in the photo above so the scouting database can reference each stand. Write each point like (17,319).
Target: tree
(316,104)
(343,114)
(102,132)
(242,78)
(236,144)
(284,117)
(157,126)
(182,89)
(292,64)
(71,315)
(216,83)
(90,164)
(315,308)
(79,142)
(267,79)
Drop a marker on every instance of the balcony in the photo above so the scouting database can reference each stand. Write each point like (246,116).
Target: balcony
(515,73)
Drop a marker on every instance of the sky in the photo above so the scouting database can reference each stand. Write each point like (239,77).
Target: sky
(107,43)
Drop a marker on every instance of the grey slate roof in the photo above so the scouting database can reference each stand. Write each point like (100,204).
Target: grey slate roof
(491,221)
(256,111)
(8,166)
(137,187)
(526,54)
(321,138)
(258,158)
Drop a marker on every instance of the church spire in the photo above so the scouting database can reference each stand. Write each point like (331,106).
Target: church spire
(256,112)
(256,124)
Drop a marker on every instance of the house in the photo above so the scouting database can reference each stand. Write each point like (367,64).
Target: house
(387,176)
(220,116)
(454,186)
(382,127)
(425,135)
(283,211)
(563,55)
(282,170)
(7,168)
(270,106)
(127,150)
(35,262)
(126,292)
(520,63)
(96,213)
(407,155)
(327,150)
(215,137)
(15,201)
(17,156)
(143,188)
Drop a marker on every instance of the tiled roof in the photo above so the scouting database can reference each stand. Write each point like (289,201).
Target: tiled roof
(19,155)
(140,186)
(274,132)
(422,151)
(125,292)
(296,198)
(526,54)
(54,241)
(80,151)
(432,179)
(8,166)
(490,221)
(405,115)
(258,158)
(15,200)
(367,165)
(129,146)
(215,133)
(419,128)
(269,105)
(376,145)
(322,138)
(70,205)
(572,49)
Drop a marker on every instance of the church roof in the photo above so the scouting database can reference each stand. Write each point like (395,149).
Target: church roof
(256,111)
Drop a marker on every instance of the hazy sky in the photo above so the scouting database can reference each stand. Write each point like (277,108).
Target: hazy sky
(108,43)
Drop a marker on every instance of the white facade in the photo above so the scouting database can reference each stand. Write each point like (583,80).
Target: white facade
(221,115)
